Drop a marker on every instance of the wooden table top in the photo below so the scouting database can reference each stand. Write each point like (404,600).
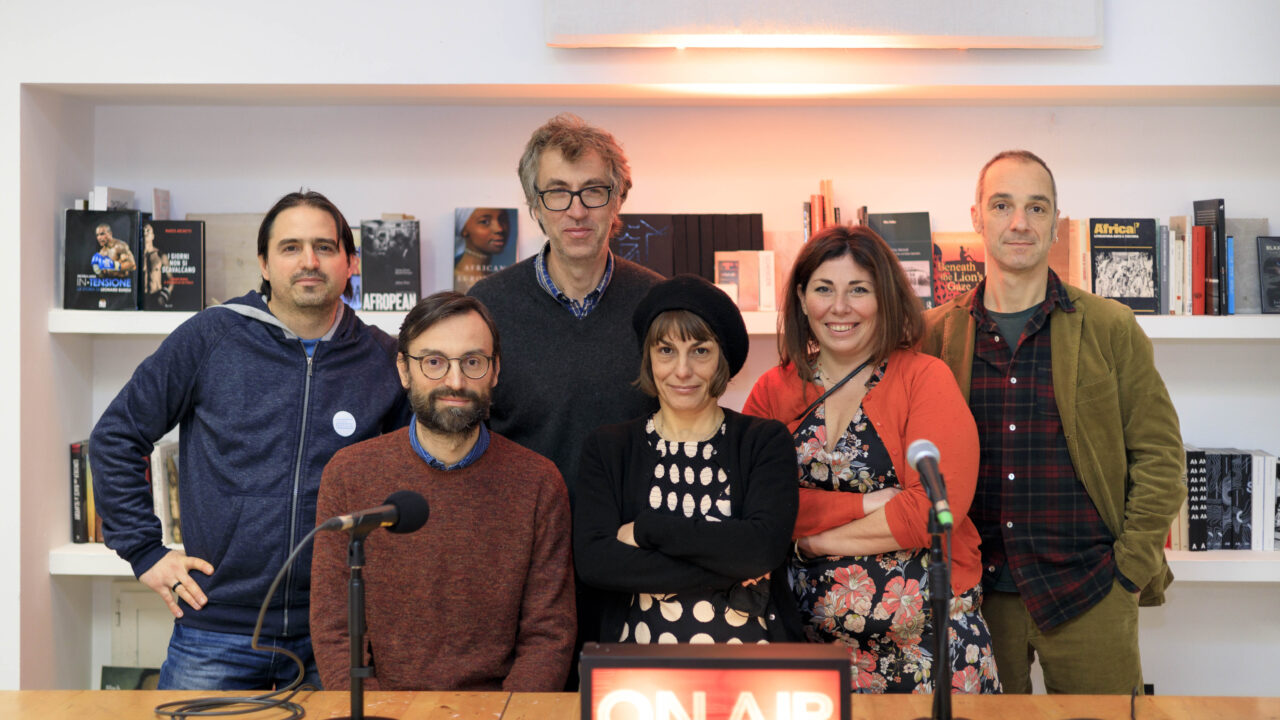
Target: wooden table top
(116,704)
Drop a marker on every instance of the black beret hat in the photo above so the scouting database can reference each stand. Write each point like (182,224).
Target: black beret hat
(695,294)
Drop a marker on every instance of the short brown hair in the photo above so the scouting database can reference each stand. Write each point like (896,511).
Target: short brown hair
(573,137)
(439,306)
(1022,155)
(685,325)
(899,319)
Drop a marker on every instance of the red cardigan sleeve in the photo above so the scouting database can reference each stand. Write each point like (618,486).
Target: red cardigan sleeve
(779,394)
(925,402)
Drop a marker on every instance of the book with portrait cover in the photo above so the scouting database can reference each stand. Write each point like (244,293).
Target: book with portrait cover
(484,242)
(390,264)
(100,267)
(1125,262)
(958,264)
(172,265)
(907,234)
(648,239)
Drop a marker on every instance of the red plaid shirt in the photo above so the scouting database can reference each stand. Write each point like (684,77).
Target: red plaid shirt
(1032,512)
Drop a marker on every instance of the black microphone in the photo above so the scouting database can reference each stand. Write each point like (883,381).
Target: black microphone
(403,512)
(922,456)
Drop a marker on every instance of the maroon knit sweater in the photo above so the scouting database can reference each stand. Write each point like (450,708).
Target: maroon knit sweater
(481,598)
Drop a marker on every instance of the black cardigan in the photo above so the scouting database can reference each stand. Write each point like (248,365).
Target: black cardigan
(679,554)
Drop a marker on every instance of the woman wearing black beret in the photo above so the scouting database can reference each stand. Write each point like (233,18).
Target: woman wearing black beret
(683,516)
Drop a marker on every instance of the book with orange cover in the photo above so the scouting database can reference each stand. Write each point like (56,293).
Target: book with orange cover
(958,264)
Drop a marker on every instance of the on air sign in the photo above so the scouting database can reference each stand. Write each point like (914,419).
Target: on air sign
(715,682)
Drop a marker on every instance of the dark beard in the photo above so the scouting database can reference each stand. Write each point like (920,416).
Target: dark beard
(450,421)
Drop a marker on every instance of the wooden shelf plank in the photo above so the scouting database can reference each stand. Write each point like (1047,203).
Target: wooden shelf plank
(1195,328)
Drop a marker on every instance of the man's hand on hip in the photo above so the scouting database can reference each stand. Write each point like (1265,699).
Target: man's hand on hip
(170,578)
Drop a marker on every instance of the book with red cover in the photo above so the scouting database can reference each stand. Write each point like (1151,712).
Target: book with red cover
(1199,234)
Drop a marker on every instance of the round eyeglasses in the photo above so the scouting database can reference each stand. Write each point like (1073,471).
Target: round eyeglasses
(472,365)
(559,199)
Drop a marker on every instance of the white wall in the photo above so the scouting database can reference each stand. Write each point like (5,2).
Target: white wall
(1112,160)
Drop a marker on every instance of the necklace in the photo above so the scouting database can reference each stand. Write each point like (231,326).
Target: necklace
(659,426)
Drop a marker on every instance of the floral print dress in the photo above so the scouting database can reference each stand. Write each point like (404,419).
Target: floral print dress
(878,606)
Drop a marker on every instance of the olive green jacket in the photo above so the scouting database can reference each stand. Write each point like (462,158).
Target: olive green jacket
(1119,423)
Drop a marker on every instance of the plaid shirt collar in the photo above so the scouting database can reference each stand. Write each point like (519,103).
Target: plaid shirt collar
(1055,295)
(579,309)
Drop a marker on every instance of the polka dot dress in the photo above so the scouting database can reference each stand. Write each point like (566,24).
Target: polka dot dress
(688,481)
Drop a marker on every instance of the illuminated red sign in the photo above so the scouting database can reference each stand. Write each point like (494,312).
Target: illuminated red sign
(722,682)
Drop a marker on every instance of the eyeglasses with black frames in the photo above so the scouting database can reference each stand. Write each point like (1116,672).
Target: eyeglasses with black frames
(559,199)
(472,365)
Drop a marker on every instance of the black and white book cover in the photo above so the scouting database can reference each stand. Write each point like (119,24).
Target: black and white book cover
(1197,500)
(172,265)
(1125,262)
(1229,479)
(100,267)
(390,264)
(910,237)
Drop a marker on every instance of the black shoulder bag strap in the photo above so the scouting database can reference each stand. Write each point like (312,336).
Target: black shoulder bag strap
(832,389)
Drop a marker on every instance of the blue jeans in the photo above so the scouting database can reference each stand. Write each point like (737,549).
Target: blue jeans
(207,660)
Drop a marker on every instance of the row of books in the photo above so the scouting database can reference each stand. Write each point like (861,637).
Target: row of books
(162,475)
(1231,501)
(124,260)
(674,244)
(1153,268)
(1221,267)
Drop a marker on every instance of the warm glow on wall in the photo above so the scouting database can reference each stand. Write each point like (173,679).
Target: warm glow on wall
(773,90)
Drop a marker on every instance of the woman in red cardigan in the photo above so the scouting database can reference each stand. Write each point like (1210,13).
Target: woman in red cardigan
(859,571)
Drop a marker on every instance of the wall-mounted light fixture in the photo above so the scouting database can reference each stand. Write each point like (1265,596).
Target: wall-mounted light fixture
(927,24)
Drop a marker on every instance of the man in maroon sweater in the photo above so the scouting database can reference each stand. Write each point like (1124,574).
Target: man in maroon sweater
(482,597)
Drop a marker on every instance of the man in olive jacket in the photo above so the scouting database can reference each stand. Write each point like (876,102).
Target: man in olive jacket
(1081,457)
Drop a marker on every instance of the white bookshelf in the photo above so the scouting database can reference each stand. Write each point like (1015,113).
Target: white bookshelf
(418,122)
(1224,566)
(1233,328)
(87,559)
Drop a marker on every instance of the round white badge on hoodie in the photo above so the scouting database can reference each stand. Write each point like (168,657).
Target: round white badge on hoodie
(344,423)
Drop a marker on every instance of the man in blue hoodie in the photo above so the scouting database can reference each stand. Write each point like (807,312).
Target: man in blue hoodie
(264,389)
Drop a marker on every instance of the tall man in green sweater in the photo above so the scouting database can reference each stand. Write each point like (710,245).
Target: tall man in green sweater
(482,597)
(565,313)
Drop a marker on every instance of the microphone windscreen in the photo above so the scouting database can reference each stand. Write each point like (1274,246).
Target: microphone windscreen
(919,450)
(411,511)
